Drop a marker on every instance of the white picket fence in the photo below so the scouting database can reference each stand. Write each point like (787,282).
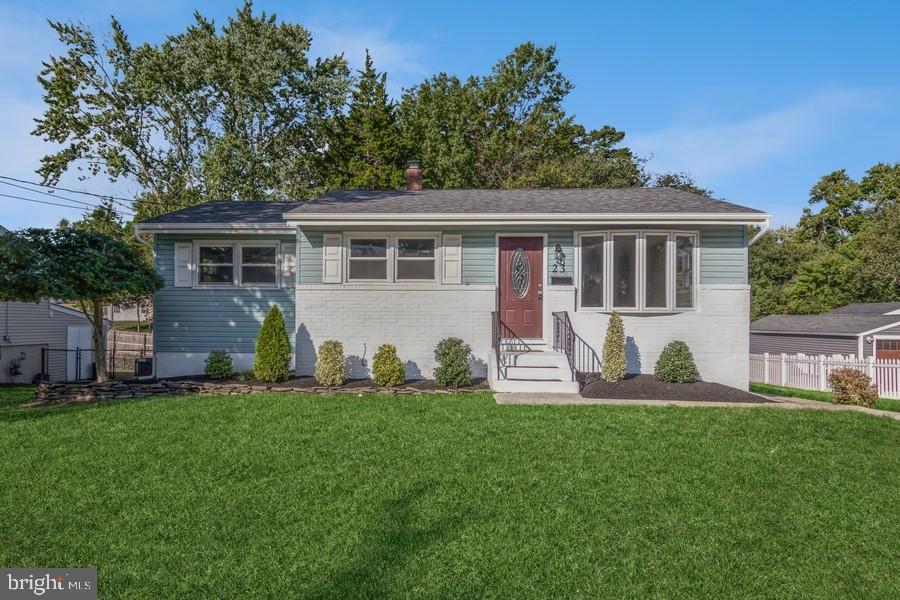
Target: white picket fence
(811,372)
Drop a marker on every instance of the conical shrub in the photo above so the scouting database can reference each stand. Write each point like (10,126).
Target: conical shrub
(273,349)
(614,364)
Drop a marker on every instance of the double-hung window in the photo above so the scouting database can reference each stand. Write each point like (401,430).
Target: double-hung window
(216,264)
(416,259)
(649,271)
(259,265)
(368,260)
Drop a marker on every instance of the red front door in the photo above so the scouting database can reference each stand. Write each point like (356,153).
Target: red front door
(521,286)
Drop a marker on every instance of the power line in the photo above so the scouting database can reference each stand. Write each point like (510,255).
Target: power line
(56,187)
(22,187)
(125,207)
(42,202)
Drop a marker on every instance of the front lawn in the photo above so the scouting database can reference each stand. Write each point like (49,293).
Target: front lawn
(283,495)
(774,390)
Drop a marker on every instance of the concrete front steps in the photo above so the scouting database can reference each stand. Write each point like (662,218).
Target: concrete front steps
(539,370)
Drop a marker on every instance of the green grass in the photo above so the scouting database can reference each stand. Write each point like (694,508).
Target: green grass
(774,390)
(131,326)
(451,496)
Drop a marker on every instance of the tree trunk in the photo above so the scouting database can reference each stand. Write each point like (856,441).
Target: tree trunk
(99,341)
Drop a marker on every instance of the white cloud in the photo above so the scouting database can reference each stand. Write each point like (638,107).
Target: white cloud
(710,151)
(401,60)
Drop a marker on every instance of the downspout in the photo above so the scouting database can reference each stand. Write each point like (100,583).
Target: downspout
(149,246)
(762,230)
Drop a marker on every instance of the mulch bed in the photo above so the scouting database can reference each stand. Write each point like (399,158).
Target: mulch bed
(646,387)
(350,385)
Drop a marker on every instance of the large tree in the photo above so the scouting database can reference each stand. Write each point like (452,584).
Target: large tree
(366,151)
(509,129)
(88,268)
(236,113)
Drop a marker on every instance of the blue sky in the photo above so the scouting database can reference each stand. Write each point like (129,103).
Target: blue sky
(756,99)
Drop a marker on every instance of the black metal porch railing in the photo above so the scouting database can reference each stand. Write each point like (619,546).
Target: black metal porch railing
(564,338)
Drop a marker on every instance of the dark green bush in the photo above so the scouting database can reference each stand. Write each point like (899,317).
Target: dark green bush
(849,386)
(676,364)
(452,356)
(331,368)
(219,365)
(273,349)
(387,368)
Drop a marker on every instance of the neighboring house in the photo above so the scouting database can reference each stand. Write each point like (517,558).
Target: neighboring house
(27,329)
(127,313)
(412,267)
(857,330)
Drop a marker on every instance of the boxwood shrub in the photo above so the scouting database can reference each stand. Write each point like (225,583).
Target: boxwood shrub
(387,368)
(273,348)
(452,356)
(219,365)
(331,368)
(676,364)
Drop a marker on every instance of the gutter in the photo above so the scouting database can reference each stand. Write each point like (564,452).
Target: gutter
(762,231)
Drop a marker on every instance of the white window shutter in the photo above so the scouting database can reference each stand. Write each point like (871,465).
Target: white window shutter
(288,265)
(331,258)
(452,253)
(184,267)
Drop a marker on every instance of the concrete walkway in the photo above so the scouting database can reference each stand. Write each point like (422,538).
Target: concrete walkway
(773,402)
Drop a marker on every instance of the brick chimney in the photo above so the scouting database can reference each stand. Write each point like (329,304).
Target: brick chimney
(414,176)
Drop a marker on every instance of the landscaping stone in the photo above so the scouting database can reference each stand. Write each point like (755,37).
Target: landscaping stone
(49,393)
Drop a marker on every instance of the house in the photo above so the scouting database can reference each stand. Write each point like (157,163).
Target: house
(856,330)
(43,337)
(540,269)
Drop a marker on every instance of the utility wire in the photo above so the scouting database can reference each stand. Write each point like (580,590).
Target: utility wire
(124,208)
(56,187)
(22,187)
(42,201)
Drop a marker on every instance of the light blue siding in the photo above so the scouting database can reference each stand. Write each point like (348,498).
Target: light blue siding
(201,320)
(566,239)
(723,255)
(309,260)
(479,257)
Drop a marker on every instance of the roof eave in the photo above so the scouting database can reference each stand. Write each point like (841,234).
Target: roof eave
(261,228)
(328,219)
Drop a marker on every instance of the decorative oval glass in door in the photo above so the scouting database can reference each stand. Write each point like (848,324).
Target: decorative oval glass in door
(520,273)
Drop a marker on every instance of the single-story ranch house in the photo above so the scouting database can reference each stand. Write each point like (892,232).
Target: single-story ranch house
(855,330)
(541,269)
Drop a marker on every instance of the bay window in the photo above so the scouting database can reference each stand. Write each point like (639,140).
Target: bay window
(592,271)
(624,271)
(650,271)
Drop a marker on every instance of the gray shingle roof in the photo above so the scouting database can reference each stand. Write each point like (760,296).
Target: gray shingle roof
(559,201)
(867,308)
(579,201)
(822,324)
(243,211)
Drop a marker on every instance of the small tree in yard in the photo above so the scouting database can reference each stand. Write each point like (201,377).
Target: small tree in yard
(88,268)
(273,348)
(613,367)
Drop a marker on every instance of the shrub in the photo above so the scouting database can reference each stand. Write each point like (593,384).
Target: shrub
(676,364)
(218,365)
(613,366)
(849,386)
(387,368)
(452,356)
(273,348)
(331,368)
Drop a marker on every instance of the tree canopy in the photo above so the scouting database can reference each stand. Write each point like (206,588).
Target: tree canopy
(85,267)
(847,251)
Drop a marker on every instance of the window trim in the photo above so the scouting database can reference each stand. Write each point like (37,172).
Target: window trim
(391,256)
(641,270)
(237,264)
(434,259)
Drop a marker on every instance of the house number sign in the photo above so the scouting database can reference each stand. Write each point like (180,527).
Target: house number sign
(559,260)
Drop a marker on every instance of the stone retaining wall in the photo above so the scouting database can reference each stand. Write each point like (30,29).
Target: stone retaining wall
(75,393)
